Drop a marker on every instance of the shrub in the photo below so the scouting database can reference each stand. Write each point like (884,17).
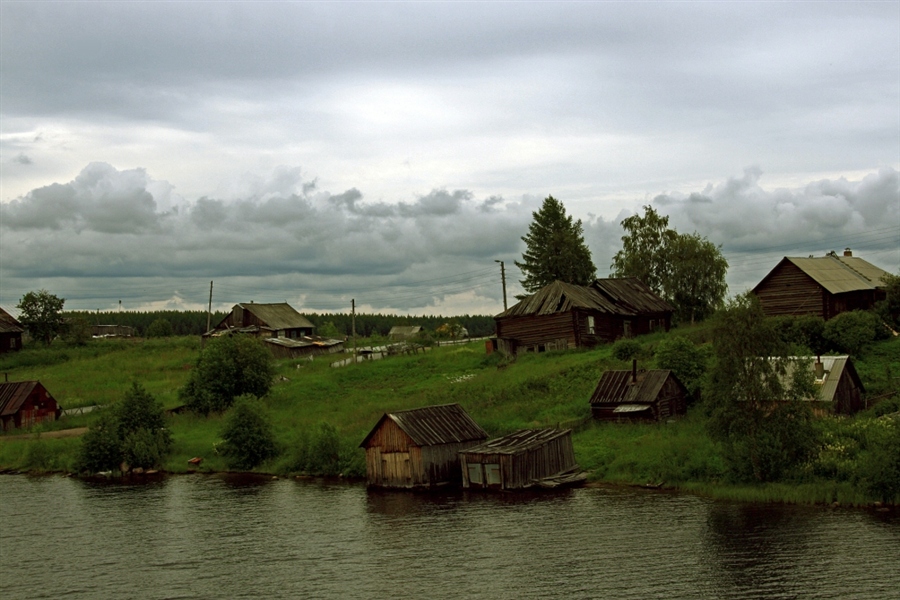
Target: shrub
(101,448)
(228,367)
(325,451)
(686,360)
(853,331)
(160,328)
(626,349)
(806,331)
(249,439)
(880,468)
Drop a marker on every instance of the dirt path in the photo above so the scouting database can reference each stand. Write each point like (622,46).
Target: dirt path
(62,433)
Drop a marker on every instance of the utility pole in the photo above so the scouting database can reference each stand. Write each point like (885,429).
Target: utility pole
(503,279)
(209,310)
(353,325)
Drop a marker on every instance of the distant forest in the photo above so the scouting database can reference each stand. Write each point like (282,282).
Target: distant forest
(193,322)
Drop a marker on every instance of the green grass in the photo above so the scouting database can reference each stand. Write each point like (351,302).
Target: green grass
(536,390)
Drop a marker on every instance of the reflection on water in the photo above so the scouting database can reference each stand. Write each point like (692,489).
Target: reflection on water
(237,537)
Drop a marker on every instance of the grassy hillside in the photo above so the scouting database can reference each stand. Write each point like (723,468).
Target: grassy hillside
(534,391)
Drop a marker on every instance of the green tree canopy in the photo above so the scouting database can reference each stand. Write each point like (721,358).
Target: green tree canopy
(756,395)
(686,269)
(248,435)
(555,249)
(228,367)
(41,314)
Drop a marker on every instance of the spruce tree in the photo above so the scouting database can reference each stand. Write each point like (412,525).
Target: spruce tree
(555,249)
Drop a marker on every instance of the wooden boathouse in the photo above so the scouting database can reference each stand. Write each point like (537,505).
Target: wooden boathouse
(419,448)
(520,460)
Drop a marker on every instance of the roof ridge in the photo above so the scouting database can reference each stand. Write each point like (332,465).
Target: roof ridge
(854,271)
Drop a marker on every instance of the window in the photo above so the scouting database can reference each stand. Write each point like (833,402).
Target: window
(652,325)
(627,327)
(475,474)
(590,324)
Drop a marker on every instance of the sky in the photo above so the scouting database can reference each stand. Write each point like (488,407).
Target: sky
(390,153)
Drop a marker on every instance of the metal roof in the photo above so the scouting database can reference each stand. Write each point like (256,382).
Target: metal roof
(9,324)
(839,274)
(277,316)
(434,425)
(13,394)
(627,296)
(519,441)
(834,367)
(618,387)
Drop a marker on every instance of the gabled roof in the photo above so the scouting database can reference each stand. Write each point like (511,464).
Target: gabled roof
(277,316)
(518,441)
(433,425)
(626,296)
(616,387)
(9,324)
(408,330)
(837,274)
(834,367)
(13,394)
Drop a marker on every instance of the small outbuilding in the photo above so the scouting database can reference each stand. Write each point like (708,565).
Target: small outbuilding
(303,347)
(839,389)
(419,448)
(653,395)
(10,333)
(521,460)
(26,403)
(400,333)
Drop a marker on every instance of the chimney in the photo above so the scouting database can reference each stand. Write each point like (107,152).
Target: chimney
(820,368)
(848,252)
(634,370)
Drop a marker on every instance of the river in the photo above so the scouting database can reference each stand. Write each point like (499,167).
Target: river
(201,536)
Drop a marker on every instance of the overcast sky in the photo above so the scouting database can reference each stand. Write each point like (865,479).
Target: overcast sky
(390,152)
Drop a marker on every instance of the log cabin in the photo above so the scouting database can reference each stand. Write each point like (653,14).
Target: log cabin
(26,403)
(10,333)
(654,395)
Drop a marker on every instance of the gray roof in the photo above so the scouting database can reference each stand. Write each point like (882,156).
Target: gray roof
(434,425)
(839,274)
(519,441)
(277,316)
(626,296)
(9,324)
(834,366)
(616,387)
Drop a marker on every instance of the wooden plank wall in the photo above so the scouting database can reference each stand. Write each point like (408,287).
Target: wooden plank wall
(790,291)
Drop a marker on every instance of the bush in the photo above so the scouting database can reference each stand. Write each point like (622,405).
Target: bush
(687,361)
(228,367)
(160,328)
(852,332)
(626,349)
(101,448)
(249,439)
(806,332)
(880,468)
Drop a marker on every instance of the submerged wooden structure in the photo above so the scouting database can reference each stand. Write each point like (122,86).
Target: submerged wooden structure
(419,448)
(653,395)
(523,459)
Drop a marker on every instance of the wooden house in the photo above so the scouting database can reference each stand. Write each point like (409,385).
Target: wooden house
(10,333)
(653,395)
(823,286)
(562,315)
(419,448)
(26,403)
(839,388)
(278,320)
(520,460)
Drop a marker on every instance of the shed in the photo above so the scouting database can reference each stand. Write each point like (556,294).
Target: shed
(26,403)
(419,448)
(822,286)
(10,333)
(653,395)
(562,315)
(839,388)
(404,332)
(303,347)
(520,460)
(278,320)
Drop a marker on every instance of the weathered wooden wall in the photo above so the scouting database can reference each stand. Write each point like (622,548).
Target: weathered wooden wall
(789,291)
(521,469)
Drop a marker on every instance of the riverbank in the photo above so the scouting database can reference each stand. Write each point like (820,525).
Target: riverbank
(537,390)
